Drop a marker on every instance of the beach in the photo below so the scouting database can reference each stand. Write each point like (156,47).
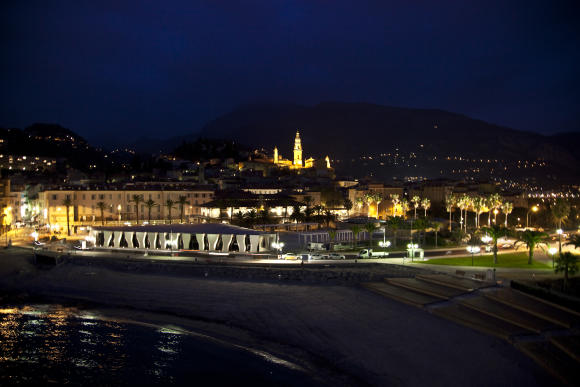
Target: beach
(338,331)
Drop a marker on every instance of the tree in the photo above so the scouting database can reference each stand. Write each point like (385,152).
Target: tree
(421,224)
(169,204)
(566,263)
(495,232)
(395,223)
(426,204)
(307,201)
(355,228)
(531,239)
(450,202)
(560,210)
(494,203)
(370,228)
(360,202)
(347,203)
(182,201)
(507,208)
(574,241)
(395,200)
(478,208)
(101,206)
(149,204)
(296,214)
(436,226)
(137,199)
(67,202)
(416,200)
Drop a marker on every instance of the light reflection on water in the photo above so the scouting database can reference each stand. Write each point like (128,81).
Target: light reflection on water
(56,344)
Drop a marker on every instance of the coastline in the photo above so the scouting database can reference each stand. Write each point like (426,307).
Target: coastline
(342,334)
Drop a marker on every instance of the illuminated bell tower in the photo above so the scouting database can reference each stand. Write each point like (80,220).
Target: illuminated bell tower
(297,150)
(275,155)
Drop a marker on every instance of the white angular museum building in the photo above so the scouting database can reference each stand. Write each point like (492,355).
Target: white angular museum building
(210,237)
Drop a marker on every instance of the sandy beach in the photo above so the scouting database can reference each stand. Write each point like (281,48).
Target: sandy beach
(343,333)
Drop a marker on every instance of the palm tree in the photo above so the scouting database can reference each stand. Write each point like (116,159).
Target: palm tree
(495,232)
(405,206)
(478,208)
(507,208)
(560,210)
(450,202)
(137,199)
(436,226)
(101,206)
(369,200)
(464,203)
(416,200)
(426,204)
(574,241)
(370,228)
(149,204)
(67,202)
(421,224)
(378,198)
(566,263)
(169,204)
(494,203)
(182,201)
(395,223)
(347,203)
(531,239)
(395,200)
(355,228)
(360,202)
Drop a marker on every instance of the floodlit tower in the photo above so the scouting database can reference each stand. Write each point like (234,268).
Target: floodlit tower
(297,150)
(275,155)
(327,159)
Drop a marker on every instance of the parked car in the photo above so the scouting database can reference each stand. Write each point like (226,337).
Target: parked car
(317,256)
(335,256)
(291,256)
(368,253)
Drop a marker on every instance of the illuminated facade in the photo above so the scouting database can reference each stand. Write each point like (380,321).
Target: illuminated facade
(298,161)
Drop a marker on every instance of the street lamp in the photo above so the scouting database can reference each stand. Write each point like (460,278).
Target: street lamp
(560,232)
(411,249)
(552,251)
(534,209)
(119,209)
(385,244)
(473,250)
(278,246)
(495,212)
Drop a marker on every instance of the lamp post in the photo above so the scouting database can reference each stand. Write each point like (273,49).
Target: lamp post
(473,250)
(119,210)
(534,209)
(559,232)
(552,251)
(495,212)
(411,249)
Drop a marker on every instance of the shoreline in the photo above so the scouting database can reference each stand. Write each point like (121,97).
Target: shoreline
(343,332)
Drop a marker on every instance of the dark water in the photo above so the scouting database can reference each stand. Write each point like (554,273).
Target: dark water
(55,345)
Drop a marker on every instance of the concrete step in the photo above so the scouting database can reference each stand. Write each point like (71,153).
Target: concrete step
(479,321)
(464,284)
(427,288)
(401,294)
(553,359)
(569,344)
(507,313)
(534,306)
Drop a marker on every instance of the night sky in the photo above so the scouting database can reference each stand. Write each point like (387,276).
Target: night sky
(111,70)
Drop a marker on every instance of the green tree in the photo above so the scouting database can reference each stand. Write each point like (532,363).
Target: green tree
(574,241)
(416,200)
(478,208)
(436,226)
(395,223)
(566,263)
(450,202)
(426,204)
(137,199)
(370,228)
(495,232)
(355,228)
(395,199)
(182,201)
(149,204)
(560,210)
(67,202)
(421,224)
(347,203)
(531,239)
(507,208)
(296,213)
(101,206)
(169,204)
